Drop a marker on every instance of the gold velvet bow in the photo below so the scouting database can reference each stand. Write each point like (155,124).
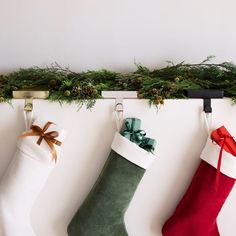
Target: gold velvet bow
(49,137)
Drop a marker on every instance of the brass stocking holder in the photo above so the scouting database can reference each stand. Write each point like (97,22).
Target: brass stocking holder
(29,96)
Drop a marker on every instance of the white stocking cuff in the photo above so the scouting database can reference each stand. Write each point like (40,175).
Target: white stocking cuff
(210,154)
(132,152)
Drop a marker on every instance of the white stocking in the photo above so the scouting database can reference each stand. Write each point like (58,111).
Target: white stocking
(23,181)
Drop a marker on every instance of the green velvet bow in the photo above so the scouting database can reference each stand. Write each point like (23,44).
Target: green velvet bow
(133,132)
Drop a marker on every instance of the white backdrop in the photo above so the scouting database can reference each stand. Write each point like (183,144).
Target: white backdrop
(88,34)
(180,133)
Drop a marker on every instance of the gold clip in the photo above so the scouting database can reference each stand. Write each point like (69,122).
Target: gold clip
(28,104)
(29,96)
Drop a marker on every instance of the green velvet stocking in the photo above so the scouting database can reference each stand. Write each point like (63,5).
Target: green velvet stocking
(102,213)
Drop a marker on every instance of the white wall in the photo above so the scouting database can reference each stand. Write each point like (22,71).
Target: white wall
(88,34)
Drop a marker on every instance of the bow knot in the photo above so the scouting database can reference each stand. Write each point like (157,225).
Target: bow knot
(49,137)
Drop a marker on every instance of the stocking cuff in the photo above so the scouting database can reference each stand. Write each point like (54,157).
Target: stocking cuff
(132,152)
(210,154)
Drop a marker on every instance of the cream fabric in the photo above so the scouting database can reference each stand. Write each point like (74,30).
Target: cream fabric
(23,181)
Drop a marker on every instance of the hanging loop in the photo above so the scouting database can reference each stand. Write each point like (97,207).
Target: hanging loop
(28,113)
(28,117)
(208,122)
(119,110)
(206,95)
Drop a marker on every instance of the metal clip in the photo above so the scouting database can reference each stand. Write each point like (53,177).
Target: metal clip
(119,107)
(119,96)
(29,96)
(206,95)
(28,104)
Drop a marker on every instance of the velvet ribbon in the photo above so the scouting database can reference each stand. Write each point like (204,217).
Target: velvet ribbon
(132,132)
(226,142)
(49,137)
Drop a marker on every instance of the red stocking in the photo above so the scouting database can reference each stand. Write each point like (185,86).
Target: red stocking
(197,212)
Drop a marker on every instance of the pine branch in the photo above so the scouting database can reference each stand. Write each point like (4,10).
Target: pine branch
(156,85)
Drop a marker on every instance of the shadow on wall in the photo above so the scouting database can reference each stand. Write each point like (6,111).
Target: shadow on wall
(8,135)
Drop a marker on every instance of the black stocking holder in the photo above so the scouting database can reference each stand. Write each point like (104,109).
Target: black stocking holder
(206,95)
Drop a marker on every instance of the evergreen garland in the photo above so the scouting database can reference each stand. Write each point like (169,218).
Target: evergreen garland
(156,85)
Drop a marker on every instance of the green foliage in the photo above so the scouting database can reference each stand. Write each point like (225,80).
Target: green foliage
(84,88)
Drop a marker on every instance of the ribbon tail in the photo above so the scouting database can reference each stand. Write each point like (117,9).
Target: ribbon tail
(52,149)
(219,165)
(56,142)
(40,140)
